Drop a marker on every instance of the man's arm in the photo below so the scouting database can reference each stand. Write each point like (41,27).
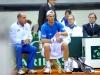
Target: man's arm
(98,34)
(85,34)
(14,34)
(64,33)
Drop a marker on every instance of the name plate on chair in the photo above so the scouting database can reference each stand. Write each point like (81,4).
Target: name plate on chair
(95,52)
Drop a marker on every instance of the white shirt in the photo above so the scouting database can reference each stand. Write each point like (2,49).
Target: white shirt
(75,32)
(49,5)
(92,24)
(63,22)
(19,33)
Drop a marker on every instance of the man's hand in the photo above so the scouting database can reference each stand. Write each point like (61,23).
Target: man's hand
(27,41)
(58,34)
(59,39)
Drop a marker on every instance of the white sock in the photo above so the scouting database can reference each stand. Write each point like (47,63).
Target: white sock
(48,64)
(70,60)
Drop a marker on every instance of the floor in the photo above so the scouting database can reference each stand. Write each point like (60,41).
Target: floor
(55,72)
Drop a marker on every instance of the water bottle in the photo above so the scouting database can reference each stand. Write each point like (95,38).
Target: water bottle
(39,35)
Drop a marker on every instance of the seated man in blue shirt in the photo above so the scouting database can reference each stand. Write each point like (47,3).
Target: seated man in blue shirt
(54,46)
(20,35)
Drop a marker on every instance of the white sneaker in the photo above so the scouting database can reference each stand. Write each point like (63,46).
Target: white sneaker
(32,71)
(92,71)
(47,70)
(67,70)
(21,72)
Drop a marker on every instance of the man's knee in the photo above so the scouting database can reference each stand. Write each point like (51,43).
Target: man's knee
(46,46)
(64,45)
(34,49)
(18,47)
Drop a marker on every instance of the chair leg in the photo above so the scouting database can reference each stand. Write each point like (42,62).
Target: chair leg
(57,65)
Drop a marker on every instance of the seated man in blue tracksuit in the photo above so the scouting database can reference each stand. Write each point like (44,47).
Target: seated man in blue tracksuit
(20,35)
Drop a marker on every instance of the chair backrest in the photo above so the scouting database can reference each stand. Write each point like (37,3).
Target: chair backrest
(75,47)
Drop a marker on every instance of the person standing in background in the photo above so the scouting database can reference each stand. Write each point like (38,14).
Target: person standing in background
(43,10)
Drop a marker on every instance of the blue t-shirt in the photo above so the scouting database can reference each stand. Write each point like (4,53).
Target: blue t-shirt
(48,31)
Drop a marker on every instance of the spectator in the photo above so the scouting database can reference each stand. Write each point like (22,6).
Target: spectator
(91,29)
(29,21)
(73,31)
(31,26)
(64,20)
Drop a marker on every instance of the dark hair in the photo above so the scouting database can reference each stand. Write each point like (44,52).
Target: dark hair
(68,11)
(93,14)
(29,21)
